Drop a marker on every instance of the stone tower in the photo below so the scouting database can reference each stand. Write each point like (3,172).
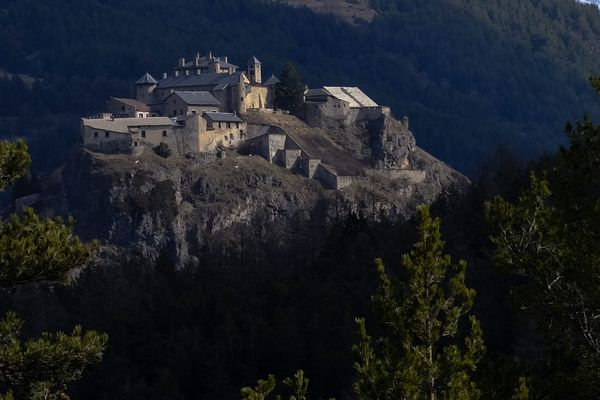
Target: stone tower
(255,70)
(144,88)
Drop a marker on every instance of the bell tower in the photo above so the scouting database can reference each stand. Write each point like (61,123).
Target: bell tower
(255,70)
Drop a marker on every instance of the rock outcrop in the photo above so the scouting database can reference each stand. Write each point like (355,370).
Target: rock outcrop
(144,205)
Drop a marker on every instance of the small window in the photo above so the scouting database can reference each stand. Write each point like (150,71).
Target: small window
(122,108)
(225,137)
(95,134)
(231,136)
(193,112)
(141,115)
(237,124)
(106,134)
(228,125)
(219,125)
(143,133)
(181,112)
(164,133)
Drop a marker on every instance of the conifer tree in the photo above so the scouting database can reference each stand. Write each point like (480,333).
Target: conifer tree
(289,91)
(296,388)
(34,250)
(419,355)
(549,238)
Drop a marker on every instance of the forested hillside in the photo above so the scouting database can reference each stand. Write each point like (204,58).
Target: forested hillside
(470,74)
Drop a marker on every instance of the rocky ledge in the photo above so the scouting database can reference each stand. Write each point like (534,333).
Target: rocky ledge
(144,205)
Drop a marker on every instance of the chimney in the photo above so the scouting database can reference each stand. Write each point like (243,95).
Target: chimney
(165,75)
(176,73)
(187,72)
(210,55)
(226,59)
(181,62)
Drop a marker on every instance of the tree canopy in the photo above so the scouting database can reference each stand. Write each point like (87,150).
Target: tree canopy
(31,251)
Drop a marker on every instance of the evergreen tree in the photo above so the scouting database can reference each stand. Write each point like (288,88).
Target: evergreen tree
(549,238)
(32,250)
(296,388)
(418,355)
(289,91)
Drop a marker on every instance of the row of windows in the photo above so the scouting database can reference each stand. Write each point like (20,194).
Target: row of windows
(228,125)
(107,134)
(164,133)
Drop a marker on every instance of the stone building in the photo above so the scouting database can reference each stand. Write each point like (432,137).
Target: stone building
(122,135)
(203,65)
(192,133)
(183,103)
(129,108)
(236,91)
(332,105)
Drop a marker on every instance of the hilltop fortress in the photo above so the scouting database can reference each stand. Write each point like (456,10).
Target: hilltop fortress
(208,106)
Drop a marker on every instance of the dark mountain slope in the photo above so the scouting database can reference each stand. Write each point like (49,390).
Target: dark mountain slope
(470,74)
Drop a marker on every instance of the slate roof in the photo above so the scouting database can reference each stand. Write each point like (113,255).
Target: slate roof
(254,60)
(223,117)
(317,92)
(146,79)
(138,105)
(273,80)
(212,79)
(125,125)
(353,95)
(194,98)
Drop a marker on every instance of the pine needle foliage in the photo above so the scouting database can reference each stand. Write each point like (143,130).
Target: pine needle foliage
(42,368)
(289,91)
(295,387)
(549,238)
(419,354)
(33,250)
(14,161)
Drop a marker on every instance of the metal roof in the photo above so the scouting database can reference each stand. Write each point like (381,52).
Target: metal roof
(146,79)
(195,98)
(353,95)
(222,117)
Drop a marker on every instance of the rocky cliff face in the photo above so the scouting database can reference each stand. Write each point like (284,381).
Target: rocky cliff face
(144,205)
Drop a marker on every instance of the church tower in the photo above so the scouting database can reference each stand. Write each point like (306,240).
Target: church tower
(255,70)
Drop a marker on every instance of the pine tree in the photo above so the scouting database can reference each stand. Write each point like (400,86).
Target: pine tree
(34,250)
(295,388)
(418,355)
(549,238)
(289,91)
